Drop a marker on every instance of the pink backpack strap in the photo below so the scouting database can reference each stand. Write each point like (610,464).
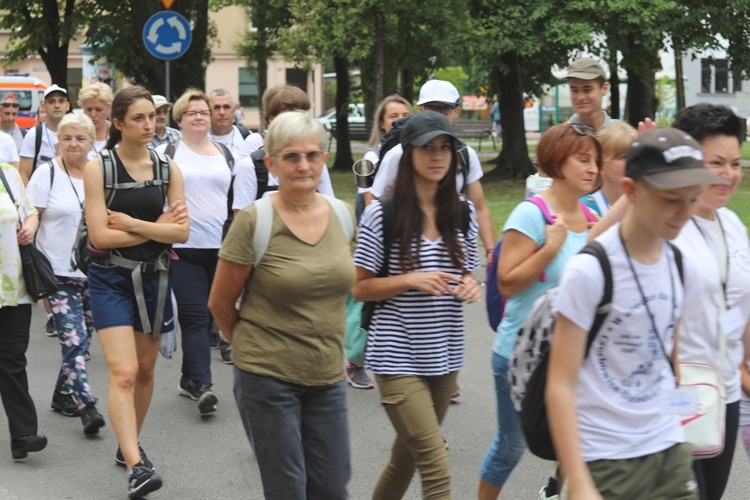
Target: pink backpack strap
(588,213)
(539,202)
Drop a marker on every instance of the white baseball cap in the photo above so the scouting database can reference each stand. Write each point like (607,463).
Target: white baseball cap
(160,100)
(438,91)
(54,88)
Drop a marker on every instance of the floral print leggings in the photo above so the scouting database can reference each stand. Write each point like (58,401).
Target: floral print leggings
(75,327)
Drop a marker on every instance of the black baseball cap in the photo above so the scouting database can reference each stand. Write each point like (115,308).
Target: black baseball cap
(668,158)
(423,127)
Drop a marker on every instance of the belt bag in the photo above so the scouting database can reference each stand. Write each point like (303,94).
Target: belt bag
(704,430)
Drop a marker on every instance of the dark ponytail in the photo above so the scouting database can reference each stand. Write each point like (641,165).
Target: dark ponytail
(123,99)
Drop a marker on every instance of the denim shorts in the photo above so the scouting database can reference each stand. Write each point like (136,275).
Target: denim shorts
(113,300)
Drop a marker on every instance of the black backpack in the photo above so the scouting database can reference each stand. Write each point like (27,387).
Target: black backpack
(261,172)
(389,222)
(393,138)
(81,256)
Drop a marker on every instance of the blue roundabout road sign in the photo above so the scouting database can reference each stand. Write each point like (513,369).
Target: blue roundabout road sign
(167,35)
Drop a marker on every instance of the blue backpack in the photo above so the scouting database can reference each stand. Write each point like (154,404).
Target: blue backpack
(495,302)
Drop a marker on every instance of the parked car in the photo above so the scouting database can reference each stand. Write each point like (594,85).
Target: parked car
(356,115)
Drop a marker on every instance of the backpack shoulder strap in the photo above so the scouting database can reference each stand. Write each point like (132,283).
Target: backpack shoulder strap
(37,145)
(226,152)
(464,216)
(590,217)
(463,162)
(678,261)
(263,226)
(343,214)
(605,305)
(163,171)
(539,202)
(109,171)
(171,148)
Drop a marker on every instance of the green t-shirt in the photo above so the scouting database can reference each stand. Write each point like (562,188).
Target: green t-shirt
(292,317)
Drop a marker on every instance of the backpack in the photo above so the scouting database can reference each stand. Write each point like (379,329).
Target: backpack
(37,145)
(527,370)
(261,171)
(229,158)
(389,221)
(495,303)
(81,255)
(393,138)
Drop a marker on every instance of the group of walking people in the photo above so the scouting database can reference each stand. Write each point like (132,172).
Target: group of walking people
(247,234)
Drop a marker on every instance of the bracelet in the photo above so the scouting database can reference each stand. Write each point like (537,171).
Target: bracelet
(490,251)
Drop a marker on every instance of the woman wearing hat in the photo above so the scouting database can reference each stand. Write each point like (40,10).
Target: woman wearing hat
(415,342)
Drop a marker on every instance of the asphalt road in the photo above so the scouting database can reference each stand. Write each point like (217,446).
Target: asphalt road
(209,457)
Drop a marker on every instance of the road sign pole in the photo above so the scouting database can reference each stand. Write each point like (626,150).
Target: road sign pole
(166,80)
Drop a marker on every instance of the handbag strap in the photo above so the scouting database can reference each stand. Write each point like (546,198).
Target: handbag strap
(10,193)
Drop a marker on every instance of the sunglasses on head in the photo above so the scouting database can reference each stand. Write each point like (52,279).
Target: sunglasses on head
(10,104)
(578,128)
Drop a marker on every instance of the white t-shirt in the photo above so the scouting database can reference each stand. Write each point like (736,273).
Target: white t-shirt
(621,383)
(8,151)
(98,146)
(699,333)
(386,175)
(58,226)
(245,186)
(252,143)
(207,180)
(233,140)
(47,148)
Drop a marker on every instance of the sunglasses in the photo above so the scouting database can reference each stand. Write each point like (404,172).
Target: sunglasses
(10,105)
(578,128)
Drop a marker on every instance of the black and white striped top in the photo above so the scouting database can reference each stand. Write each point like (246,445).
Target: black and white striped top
(414,332)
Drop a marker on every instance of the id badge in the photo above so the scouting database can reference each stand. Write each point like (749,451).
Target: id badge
(680,401)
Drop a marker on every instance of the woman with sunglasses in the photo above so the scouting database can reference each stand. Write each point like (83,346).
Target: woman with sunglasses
(531,262)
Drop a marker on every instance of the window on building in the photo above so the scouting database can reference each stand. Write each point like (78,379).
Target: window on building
(721,76)
(736,81)
(73,85)
(297,77)
(706,76)
(249,90)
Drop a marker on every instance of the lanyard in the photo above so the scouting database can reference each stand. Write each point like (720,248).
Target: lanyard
(71,183)
(723,252)
(645,302)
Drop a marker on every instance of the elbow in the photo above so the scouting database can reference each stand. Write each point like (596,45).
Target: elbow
(357,293)
(184,233)
(506,288)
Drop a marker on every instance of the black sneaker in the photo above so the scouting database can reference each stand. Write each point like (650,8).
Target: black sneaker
(225,350)
(120,460)
(50,329)
(65,404)
(213,336)
(91,419)
(142,480)
(204,395)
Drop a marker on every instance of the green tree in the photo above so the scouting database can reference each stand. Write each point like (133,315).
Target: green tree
(513,45)
(44,27)
(117,33)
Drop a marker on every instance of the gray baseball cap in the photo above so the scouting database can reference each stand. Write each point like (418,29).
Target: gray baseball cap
(586,68)
(423,127)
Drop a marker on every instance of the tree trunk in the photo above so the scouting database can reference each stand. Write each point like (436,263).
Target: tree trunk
(407,84)
(344,157)
(513,162)
(614,86)
(640,96)
(678,76)
(55,57)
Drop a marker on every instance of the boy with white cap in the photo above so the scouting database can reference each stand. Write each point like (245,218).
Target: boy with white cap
(162,133)
(443,97)
(616,425)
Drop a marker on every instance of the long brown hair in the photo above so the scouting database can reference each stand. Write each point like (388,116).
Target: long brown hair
(123,100)
(409,217)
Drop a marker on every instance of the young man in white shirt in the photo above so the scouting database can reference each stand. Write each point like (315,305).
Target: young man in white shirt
(588,85)
(55,105)
(615,425)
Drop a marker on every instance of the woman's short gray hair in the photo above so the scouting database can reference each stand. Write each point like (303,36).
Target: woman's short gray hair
(79,120)
(291,126)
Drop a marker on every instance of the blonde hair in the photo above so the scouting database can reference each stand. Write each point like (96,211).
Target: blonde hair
(77,120)
(615,139)
(377,131)
(290,126)
(181,104)
(97,90)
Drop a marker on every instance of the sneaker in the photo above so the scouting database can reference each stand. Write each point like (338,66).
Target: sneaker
(357,377)
(543,494)
(204,395)
(65,404)
(120,460)
(87,356)
(50,329)
(91,419)
(142,480)
(225,350)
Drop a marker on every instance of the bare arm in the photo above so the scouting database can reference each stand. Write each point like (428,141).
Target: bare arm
(486,232)
(229,280)
(522,263)
(24,168)
(615,215)
(566,358)
(368,197)
(745,376)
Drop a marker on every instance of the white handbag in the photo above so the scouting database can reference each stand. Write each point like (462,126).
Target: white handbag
(705,428)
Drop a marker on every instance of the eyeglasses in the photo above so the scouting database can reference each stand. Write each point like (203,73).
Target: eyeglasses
(445,110)
(195,114)
(10,105)
(313,157)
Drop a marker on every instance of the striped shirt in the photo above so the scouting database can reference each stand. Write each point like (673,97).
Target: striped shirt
(414,332)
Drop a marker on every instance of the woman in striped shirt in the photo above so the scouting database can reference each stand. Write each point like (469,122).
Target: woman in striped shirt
(415,341)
